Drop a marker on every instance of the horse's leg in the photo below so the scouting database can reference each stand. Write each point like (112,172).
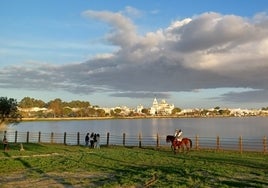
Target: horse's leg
(188,146)
(184,146)
(172,147)
(175,149)
(175,146)
(180,146)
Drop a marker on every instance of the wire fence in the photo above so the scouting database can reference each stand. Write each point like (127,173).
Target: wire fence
(237,144)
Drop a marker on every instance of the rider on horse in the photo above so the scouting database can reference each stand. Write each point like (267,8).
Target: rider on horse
(178,136)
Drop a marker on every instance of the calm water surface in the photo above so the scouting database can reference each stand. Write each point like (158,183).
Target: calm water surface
(204,127)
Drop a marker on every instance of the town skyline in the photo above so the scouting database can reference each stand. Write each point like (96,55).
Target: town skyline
(192,54)
(34,108)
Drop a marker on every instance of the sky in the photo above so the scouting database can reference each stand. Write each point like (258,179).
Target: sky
(193,54)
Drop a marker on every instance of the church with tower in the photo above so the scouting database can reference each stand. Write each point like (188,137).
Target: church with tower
(161,108)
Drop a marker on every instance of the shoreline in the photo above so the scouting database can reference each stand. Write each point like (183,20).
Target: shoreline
(136,117)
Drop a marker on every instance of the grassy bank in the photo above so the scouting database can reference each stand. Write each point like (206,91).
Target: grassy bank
(115,166)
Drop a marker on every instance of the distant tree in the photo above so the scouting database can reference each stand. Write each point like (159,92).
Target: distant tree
(67,112)
(9,111)
(264,108)
(81,112)
(78,104)
(91,112)
(112,113)
(100,112)
(28,102)
(176,110)
(204,112)
(145,111)
(224,112)
(117,111)
(56,107)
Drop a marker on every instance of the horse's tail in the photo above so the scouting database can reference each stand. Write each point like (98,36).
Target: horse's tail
(191,143)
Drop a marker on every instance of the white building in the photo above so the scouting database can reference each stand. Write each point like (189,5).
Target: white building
(139,109)
(162,108)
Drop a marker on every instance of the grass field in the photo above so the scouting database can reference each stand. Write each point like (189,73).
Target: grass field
(52,165)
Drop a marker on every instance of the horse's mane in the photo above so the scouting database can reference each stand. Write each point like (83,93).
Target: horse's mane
(170,138)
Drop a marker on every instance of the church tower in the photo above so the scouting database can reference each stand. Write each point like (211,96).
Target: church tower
(155,103)
(153,110)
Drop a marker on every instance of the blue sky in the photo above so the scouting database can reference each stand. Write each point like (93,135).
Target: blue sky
(194,54)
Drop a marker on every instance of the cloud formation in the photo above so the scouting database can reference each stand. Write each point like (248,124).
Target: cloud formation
(206,51)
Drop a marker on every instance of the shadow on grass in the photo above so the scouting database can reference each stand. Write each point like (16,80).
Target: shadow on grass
(33,169)
(191,169)
(126,172)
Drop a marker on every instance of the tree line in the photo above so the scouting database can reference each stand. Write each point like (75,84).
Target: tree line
(60,109)
(12,111)
(57,108)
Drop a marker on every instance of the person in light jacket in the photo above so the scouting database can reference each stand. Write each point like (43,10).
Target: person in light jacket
(178,135)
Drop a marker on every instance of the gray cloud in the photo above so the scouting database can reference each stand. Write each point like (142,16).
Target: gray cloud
(141,95)
(207,51)
(256,96)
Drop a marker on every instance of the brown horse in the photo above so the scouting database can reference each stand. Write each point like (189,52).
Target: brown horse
(185,143)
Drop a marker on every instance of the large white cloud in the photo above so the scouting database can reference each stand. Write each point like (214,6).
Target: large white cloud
(206,51)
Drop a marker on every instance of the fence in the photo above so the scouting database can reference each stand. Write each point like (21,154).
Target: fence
(238,144)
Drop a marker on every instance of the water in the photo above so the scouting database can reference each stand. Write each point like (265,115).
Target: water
(206,128)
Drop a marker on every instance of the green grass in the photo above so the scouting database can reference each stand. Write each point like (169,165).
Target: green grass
(116,166)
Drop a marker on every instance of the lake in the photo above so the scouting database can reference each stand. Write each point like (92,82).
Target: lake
(205,127)
(231,127)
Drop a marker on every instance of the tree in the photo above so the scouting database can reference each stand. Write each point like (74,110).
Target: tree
(9,111)
(100,112)
(145,111)
(176,110)
(28,102)
(56,107)
(117,111)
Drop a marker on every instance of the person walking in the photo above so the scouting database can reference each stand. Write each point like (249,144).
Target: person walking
(87,139)
(5,143)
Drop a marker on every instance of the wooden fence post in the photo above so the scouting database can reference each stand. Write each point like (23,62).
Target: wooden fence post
(264,144)
(27,137)
(64,138)
(240,144)
(39,137)
(218,143)
(196,142)
(124,139)
(16,136)
(108,137)
(139,140)
(52,138)
(157,141)
(78,138)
